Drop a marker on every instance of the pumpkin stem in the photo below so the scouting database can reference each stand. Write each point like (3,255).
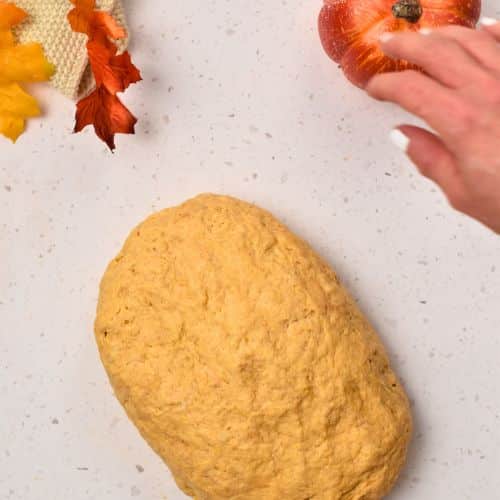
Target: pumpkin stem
(411,10)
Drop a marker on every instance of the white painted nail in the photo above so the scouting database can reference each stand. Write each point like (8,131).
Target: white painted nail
(425,31)
(488,21)
(385,37)
(399,139)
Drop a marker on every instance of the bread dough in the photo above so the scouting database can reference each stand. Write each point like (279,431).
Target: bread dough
(245,364)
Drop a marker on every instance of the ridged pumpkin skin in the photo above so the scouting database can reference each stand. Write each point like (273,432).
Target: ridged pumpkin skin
(245,364)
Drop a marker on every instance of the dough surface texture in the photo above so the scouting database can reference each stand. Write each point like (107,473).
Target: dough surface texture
(245,364)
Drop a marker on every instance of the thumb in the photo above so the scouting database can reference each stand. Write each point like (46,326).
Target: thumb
(432,159)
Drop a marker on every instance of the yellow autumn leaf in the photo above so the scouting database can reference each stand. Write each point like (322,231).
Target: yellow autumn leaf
(18,63)
(15,106)
(11,126)
(6,39)
(24,63)
(15,101)
(10,15)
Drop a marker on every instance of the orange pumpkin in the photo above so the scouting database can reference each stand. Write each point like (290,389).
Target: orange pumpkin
(350,29)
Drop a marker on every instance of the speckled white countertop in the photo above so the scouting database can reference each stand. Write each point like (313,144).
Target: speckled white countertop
(238,98)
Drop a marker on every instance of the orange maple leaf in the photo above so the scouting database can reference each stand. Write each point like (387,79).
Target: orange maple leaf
(115,72)
(107,113)
(112,72)
(79,17)
(83,18)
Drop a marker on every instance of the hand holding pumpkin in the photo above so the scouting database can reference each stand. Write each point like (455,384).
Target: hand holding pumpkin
(350,30)
(458,95)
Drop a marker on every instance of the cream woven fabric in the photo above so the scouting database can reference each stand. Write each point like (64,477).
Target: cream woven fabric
(47,24)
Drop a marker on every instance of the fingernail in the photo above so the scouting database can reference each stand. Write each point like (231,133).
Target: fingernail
(425,31)
(399,139)
(488,21)
(385,37)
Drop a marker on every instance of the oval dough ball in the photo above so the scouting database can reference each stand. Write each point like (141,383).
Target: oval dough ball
(245,364)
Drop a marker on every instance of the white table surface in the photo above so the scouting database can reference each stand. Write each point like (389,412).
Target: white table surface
(239,98)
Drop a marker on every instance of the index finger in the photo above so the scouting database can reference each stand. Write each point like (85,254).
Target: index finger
(422,96)
(439,56)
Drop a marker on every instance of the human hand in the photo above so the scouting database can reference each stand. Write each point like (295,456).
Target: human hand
(459,98)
